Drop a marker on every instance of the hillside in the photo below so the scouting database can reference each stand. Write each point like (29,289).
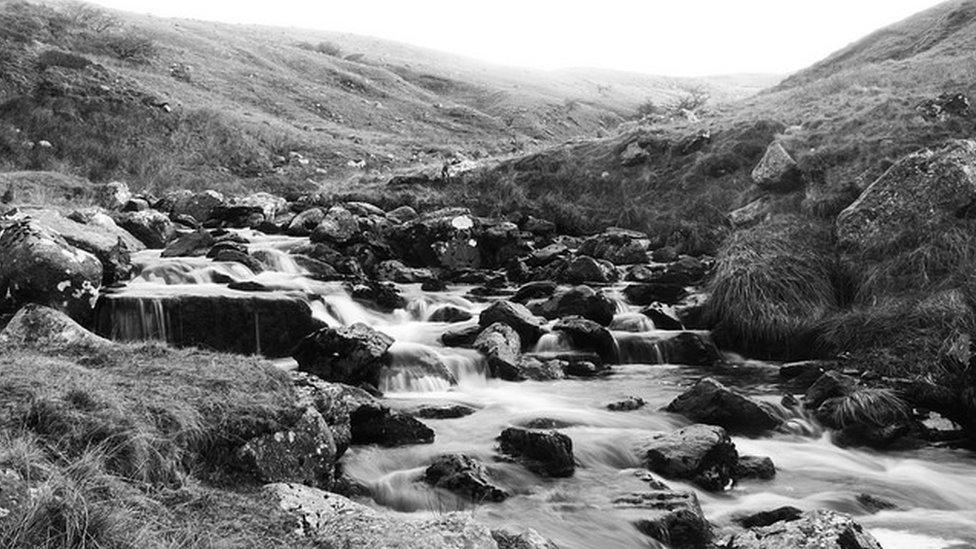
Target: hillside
(169,103)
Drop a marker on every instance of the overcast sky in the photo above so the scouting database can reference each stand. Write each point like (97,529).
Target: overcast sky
(678,38)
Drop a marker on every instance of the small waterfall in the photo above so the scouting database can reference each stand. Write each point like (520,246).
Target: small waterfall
(278,261)
(419,368)
(185,270)
(632,322)
(640,348)
(340,309)
(137,320)
(553,342)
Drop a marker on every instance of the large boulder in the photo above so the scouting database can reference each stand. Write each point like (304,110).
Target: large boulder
(917,195)
(577,301)
(39,266)
(335,401)
(305,222)
(588,335)
(375,424)
(154,229)
(338,226)
(547,453)
(501,345)
(708,401)
(777,171)
(820,529)
(331,520)
(200,206)
(527,325)
(465,476)
(587,269)
(45,328)
(702,454)
(672,518)
(304,453)
(350,354)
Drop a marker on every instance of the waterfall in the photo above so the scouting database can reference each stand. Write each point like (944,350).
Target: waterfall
(553,342)
(419,368)
(640,348)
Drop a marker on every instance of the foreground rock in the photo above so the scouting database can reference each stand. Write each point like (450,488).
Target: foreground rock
(672,518)
(45,328)
(350,354)
(547,453)
(515,315)
(332,520)
(588,335)
(702,454)
(715,404)
(811,530)
(39,266)
(154,229)
(464,476)
(777,171)
(305,453)
(376,424)
(511,538)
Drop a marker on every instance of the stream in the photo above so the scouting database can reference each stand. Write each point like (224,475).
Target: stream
(934,490)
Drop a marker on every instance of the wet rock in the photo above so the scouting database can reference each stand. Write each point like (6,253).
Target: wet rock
(754,467)
(626,405)
(702,454)
(515,315)
(531,368)
(352,354)
(45,328)
(766,518)
(511,538)
(586,269)
(305,453)
(777,171)
(805,373)
(461,337)
(672,518)
(578,301)
(385,297)
(547,453)
(649,292)
(830,385)
(663,316)
(545,423)
(692,348)
(916,196)
(588,335)
(305,222)
(231,255)
(334,401)
(619,246)
(154,229)
(375,424)
(195,244)
(449,313)
(534,290)
(97,234)
(874,504)
(331,520)
(447,411)
(708,401)
(813,530)
(199,206)
(39,266)
(547,254)
(338,226)
(585,368)
(465,476)
(402,214)
(392,270)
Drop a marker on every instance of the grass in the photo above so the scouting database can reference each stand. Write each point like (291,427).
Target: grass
(127,446)
(874,407)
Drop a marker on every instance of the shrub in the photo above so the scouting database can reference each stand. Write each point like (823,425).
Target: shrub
(127,45)
(57,58)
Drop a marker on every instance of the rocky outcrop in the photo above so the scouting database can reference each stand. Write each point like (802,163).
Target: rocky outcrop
(465,476)
(304,453)
(708,401)
(917,195)
(811,530)
(777,171)
(45,328)
(331,520)
(702,454)
(670,517)
(351,354)
(547,453)
(39,266)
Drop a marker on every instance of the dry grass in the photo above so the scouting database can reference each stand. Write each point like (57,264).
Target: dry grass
(875,407)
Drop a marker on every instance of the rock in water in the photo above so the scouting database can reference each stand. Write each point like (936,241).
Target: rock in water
(578,301)
(547,453)
(465,476)
(917,195)
(715,404)
(338,227)
(516,315)
(703,454)
(352,354)
(154,229)
(777,171)
(587,335)
(501,344)
(511,538)
(38,266)
(45,328)
(812,530)
(754,467)
(331,520)
(673,518)
(305,453)
(375,424)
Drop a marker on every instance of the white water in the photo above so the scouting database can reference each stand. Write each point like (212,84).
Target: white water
(934,489)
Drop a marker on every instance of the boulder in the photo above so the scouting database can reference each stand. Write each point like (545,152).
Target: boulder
(402,214)
(195,244)
(199,206)
(305,222)
(547,254)
(916,196)
(618,246)
(534,290)
(708,401)
(754,467)
(446,411)
(587,269)
(765,518)
(511,538)
(375,424)
(338,226)
(515,315)
(111,196)
(663,316)
(547,453)
(304,453)
(464,336)
(349,354)
(820,529)
(531,368)
(751,214)
(702,454)
(45,328)
(777,171)
(646,293)
(385,297)
(578,301)
(585,368)
(464,476)
(501,345)
(670,517)
(449,313)
(331,520)
(268,204)
(457,253)
(39,266)
(334,401)
(154,229)
(588,335)
(830,385)
(628,404)
(393,270)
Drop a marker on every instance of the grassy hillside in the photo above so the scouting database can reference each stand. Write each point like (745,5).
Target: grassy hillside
(178,103)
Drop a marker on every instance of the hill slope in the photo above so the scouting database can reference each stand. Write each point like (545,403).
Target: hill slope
(239,99)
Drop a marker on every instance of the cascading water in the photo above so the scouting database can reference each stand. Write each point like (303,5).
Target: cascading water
(933,490)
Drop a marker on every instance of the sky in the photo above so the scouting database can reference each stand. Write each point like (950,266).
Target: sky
(674,38)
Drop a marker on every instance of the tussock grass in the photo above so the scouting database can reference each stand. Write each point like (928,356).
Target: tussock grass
(772,285)
(875,407)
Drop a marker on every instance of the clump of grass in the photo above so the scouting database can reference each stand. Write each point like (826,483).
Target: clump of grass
(870,407)
(772,285)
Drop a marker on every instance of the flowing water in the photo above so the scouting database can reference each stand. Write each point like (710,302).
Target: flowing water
(934,489)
